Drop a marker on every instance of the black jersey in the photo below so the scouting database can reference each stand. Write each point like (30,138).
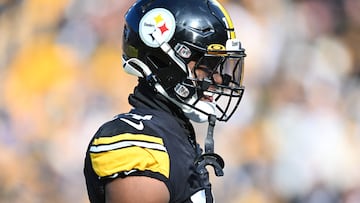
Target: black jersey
(145,142)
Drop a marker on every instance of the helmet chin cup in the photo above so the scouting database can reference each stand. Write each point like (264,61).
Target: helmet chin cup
(207,108)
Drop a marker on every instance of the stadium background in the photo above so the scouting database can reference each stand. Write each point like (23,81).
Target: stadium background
(295,137)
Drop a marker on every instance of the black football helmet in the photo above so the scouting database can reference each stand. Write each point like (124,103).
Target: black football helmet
(160,39)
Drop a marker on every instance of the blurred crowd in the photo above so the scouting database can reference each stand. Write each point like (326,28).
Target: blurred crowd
(294,139)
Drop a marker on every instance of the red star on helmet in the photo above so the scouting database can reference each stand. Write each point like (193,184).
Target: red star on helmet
(163,28)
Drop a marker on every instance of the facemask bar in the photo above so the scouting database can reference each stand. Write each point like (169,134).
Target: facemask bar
(231,102)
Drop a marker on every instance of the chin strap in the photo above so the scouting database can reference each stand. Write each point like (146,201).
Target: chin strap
(209,158)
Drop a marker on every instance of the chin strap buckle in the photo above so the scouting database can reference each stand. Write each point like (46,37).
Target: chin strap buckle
(209,157)
(213,160)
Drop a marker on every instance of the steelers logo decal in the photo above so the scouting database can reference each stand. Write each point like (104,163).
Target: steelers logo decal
(156,27)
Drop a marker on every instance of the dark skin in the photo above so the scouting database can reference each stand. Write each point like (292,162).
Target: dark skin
(137,189)
(142,189)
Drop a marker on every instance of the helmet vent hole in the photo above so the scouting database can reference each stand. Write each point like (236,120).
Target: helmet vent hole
(206,30)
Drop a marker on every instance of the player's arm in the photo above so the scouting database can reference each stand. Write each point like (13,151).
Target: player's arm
(136,189)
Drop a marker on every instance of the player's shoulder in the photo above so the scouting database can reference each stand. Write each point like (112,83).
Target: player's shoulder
(135,121)
(129,135)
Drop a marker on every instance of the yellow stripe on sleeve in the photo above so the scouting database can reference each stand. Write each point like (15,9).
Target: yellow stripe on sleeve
(127,136)
(125,152)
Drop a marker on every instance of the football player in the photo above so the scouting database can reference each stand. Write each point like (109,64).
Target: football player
(189,65)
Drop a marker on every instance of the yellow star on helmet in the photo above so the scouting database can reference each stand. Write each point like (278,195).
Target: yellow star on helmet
(158,18)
